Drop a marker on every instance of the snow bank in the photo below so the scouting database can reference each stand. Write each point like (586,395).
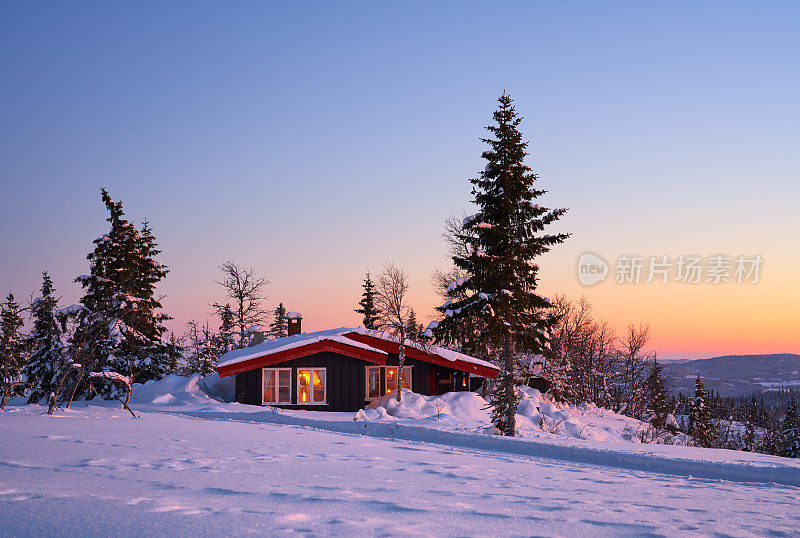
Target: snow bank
(465,406)
(537,415)
(219,388)
(173,390)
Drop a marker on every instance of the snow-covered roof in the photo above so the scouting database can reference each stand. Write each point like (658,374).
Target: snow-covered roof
(294,315)
(269,347)
(443,352)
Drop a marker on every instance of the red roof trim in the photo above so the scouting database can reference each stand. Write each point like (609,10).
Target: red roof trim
(391,347)
(302,351)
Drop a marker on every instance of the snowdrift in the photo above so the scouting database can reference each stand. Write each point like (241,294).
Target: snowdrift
(176,390)
(536,414)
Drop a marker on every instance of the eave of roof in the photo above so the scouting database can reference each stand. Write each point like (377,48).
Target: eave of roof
(315,346)
(485,369)
(371,346)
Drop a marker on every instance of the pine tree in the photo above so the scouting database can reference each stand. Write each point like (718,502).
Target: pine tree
(176,353)
(279,327)
(500,280)
(208,357)
(367,304)
(412,327)
(121,326)
(790,435)
(47,357)
(700,427)
(12,343)
(225,339)
(200,348)
(749,427)
(658,400)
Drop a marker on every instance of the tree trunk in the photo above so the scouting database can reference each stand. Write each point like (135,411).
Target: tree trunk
(400,362)
(54,395)
(74,390)
(511,407)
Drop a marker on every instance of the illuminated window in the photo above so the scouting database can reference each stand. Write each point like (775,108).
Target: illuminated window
(391,379)
(277,383)
(373,381)
(387,374)
(310,385)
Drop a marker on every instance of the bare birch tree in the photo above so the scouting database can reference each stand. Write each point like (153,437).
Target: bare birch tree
(391,290)
(635,365)
(246,291)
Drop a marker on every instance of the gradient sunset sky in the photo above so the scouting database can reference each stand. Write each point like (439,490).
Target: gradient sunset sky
(316,140)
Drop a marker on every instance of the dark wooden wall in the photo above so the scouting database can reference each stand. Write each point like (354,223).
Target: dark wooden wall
(345,383)
(346,380)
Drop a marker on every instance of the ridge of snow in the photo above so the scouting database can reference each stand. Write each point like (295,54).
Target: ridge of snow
(443,352)
(270,347)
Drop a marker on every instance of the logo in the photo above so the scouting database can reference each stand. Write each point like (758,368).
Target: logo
(591,269)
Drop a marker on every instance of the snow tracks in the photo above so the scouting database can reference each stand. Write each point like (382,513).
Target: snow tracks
(674,460)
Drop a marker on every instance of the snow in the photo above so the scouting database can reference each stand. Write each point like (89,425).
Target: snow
(460,281)
(170,391)
(270,347)
(71,310)
(537,416)
(209,468)
(467,220)
(294,315)
(115,376)
(443,352)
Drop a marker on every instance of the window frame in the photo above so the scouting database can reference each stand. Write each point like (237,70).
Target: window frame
(311,385)
(383,380)
(277,386)
(366,383)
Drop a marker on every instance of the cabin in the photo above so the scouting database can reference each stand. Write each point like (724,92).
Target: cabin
(344,369)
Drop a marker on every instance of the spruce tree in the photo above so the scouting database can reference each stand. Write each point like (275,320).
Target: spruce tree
(12,344)
(790,435)
(750,429)
(225,339)
(700,427)
(500,276)
(47,356)
(412,327)
(658,401)
(367,304)
(279,327)
(121,327)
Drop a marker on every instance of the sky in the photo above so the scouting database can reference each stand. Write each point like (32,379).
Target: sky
(315,141)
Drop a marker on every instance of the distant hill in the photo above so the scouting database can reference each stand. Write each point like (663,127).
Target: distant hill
(735,375)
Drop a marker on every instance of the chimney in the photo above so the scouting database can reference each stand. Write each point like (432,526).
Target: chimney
(295,322)
(256,337)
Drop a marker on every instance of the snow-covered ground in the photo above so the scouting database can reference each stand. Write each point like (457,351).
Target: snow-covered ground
(190,464)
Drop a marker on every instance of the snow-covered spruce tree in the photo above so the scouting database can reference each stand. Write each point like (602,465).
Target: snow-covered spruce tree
(658,405)
(12,345)
(749,441)
(225,337)
(790,435)
(501,276)
(700,427)
(47,348)
(121,325)
(200,352)
(412,327)
(279,327)
(367,304)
